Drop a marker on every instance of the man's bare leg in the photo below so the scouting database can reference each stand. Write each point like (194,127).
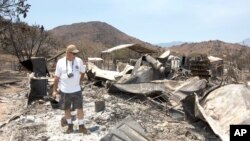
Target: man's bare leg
(80,115)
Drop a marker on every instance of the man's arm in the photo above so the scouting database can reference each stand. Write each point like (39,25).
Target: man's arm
(82,78)
(83,70)
(55,86)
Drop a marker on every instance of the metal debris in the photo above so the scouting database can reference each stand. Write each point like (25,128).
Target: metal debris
(127,130)
(221,108)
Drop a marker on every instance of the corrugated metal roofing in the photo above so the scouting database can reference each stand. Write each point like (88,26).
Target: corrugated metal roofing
(136,47)
(214,59)
(95,59)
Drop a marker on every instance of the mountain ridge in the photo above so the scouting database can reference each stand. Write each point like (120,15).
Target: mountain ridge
(94,35)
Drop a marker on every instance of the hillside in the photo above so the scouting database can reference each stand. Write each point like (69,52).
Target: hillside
(93,37)
(236,53)
(216,48)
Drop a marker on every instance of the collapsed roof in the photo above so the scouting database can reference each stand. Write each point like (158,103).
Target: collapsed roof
(94,59)
(135,47)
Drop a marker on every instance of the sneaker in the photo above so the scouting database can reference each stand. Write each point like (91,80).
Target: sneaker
(70,128)
(82,129)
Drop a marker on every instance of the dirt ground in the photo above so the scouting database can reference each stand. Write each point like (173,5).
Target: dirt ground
(12,84)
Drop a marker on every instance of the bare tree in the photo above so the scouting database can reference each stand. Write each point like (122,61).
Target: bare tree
(26,41)
(11,9)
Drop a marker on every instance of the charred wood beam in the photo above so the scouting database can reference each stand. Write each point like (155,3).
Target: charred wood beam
(162,95)
(15,116)
(54,57)
(9,82)
(160,105)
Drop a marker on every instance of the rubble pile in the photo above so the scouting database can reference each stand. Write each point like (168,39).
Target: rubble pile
(147,101)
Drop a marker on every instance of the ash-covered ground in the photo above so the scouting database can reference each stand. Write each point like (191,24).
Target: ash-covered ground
(39,121)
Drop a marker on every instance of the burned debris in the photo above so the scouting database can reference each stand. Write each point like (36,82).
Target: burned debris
(153,97)
(151,78)
(199,66)
(38,77)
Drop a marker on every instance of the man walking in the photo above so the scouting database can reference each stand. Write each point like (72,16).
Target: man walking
(68,76)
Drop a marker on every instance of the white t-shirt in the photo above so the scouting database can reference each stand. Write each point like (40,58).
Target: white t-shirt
(66,84)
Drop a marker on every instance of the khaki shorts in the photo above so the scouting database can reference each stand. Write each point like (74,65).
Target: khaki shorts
(71,99)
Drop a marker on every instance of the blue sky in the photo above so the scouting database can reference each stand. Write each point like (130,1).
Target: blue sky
(153,21)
